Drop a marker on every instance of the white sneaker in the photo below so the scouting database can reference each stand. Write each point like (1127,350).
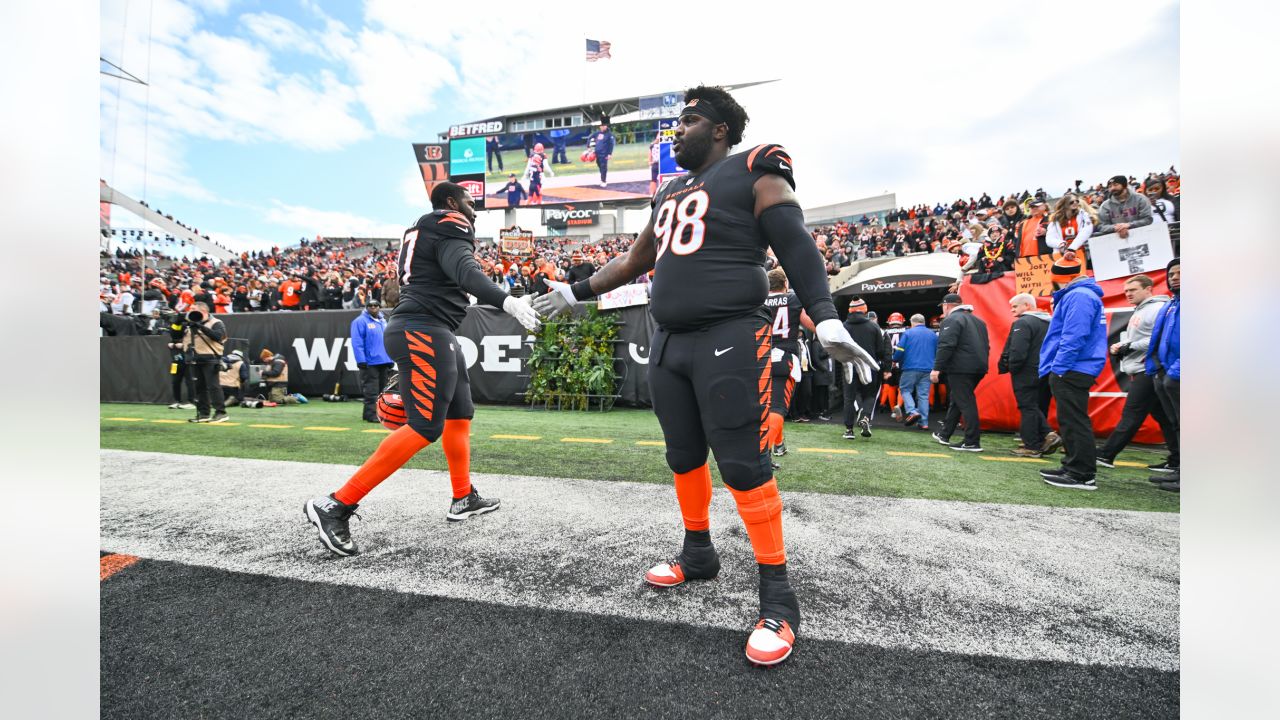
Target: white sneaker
(187,406)
(175,406)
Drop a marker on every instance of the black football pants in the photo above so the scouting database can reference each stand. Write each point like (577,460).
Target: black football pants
(713,388)
(434,384)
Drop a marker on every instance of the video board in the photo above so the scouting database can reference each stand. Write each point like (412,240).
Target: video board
(610,163)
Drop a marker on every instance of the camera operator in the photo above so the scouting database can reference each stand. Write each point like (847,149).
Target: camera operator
(233,377)
(179,372)
(203,346)
(276,377)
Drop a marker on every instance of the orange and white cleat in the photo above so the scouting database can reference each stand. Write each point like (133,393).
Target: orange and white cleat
(770,642)
(667,574)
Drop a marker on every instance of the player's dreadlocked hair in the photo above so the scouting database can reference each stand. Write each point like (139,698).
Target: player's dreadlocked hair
(728,108)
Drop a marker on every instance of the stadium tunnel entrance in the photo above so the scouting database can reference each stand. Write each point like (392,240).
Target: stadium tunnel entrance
(908,285)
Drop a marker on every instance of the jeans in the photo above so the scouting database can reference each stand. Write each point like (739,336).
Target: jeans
(1143,400)
(915,393)
(1071,390)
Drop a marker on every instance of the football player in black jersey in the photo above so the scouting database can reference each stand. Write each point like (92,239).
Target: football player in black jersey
(786,318)
(709,369)
(436,269)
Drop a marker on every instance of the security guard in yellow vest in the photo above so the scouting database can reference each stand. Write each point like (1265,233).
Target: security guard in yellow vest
(233,377)
(203,346)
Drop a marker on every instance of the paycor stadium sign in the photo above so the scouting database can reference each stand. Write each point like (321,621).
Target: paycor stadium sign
(577,215)
(489,127)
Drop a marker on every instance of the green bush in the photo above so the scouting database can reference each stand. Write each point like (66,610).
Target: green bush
(572,360)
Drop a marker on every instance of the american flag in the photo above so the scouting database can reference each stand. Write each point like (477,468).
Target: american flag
(597,50)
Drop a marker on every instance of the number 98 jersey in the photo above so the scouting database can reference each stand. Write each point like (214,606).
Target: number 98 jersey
(710,252)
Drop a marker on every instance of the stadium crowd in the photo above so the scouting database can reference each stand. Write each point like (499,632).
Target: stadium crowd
(987,236)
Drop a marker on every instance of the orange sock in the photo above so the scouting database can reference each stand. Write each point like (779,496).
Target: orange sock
(693,492)
(394,451)
(456,442)
(775,428)
(761,511)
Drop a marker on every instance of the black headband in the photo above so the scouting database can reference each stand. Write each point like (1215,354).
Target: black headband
(703,108)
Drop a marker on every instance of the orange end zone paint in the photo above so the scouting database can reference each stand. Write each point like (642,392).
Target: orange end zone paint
(112,564)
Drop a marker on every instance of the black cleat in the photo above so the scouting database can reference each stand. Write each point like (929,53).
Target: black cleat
(865,424)
(332,519)
(780,449)
(965,447)
(465,507)
(1163,467)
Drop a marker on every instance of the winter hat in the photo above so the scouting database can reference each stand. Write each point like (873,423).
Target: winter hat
(1064,270)
(1122,179)
(265,354)
(858,305)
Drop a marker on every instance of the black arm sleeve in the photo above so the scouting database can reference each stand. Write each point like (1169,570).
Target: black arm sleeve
(783,225)
(459,263)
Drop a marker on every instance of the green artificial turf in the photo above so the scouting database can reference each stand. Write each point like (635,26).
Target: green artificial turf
(969,477)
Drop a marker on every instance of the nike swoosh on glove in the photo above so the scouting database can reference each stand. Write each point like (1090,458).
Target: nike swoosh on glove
(522,312)
(559,300)
(840,346)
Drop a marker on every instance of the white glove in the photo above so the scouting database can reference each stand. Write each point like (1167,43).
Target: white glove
(523,312)
(836,341)
(559,300)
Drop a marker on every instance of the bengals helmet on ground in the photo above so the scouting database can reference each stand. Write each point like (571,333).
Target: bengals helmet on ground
(390,405)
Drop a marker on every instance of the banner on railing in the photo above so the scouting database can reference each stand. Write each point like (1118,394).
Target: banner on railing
(317,346)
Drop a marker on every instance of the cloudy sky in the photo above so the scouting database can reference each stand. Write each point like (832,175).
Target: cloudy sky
(267,121)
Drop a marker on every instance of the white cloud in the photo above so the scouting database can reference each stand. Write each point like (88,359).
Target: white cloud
(929,101)
(413,191)
(310,222)
(397,79)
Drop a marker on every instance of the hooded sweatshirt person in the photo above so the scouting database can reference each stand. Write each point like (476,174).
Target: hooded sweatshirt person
(1133,356)
(1134,209)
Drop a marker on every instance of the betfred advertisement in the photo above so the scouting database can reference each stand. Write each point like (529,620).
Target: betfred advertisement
(575,215)
(473,184)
